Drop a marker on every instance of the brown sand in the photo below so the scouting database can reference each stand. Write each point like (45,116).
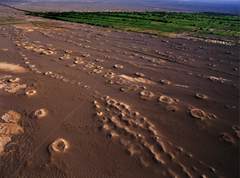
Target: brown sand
(6,67)
(114,104)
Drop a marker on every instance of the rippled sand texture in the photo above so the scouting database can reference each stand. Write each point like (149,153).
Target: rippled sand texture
(84,101)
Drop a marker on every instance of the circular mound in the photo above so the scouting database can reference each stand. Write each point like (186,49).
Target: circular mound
(201,96)
(14,80)
(146,94)
(48,73)
(198,113)
(138,74)
(165,82)
(118,66)
(31,92)
(166,99)
(40,113)
(60,145)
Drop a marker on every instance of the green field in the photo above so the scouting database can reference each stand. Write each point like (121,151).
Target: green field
(160,23)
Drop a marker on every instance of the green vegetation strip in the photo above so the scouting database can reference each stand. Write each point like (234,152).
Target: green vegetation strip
(155,22)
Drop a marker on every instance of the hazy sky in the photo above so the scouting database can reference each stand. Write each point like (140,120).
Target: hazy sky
(112,1)
(157,0)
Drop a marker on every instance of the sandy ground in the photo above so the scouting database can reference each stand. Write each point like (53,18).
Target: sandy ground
(84,101)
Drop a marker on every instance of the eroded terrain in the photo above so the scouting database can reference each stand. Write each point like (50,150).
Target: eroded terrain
(84,101)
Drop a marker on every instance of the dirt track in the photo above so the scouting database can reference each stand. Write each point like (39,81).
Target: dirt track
(128,104)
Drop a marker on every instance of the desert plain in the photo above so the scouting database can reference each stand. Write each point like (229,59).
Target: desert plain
(83,101)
